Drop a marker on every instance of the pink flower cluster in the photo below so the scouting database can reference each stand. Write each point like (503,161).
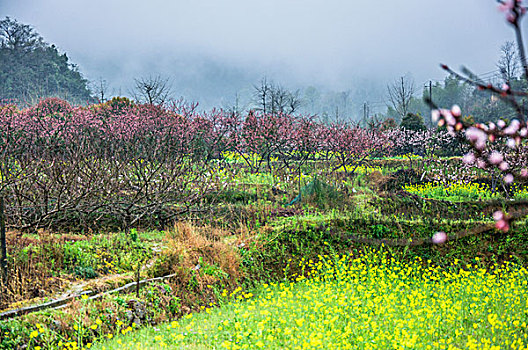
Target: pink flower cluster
(439,237)
(495,145)
(501,221)
(53,127)
(512,9)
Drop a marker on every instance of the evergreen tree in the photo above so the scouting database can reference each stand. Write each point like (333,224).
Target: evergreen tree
(413,121)
(31,69)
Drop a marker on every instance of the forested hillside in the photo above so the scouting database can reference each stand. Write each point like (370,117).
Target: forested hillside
(31,69)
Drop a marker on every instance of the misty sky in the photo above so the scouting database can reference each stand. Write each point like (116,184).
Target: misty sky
(202,43)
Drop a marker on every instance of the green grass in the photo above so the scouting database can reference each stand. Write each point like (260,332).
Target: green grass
(366,302)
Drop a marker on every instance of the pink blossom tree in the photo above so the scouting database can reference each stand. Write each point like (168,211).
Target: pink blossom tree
(350,146)
(497,146)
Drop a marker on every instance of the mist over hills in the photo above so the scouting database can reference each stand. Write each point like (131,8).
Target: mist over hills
(215,53)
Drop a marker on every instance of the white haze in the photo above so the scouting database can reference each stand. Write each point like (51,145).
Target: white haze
(212,49)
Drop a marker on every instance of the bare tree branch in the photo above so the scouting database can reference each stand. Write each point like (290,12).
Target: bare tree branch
(400,95)
(508,62)
(152,90)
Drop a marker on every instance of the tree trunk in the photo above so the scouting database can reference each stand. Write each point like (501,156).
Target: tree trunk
(3,250)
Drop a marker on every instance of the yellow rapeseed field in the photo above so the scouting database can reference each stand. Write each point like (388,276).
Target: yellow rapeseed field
(455,191)
(371,301)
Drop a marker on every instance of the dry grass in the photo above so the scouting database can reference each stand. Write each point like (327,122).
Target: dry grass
(200,256)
